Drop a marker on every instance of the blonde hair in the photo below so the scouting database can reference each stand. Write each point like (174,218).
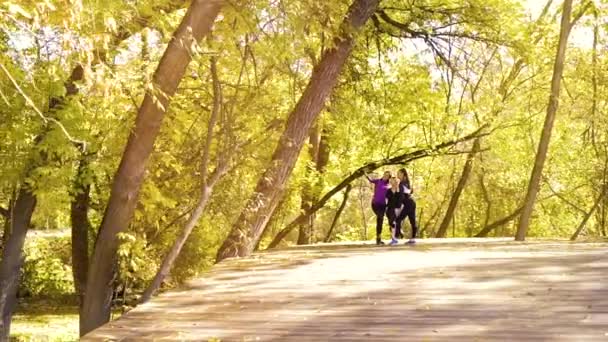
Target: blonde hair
(393,181)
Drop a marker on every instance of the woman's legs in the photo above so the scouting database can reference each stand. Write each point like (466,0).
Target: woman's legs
(379,209)
(399,225)
(392,222)
(411,215)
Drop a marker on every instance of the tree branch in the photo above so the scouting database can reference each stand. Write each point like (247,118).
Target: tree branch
(580,14)
(45,119)
(563,198)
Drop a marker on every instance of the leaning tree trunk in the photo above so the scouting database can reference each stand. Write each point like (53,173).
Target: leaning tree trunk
(464,178)
(319,154)
(12,258)
(488,228)
(170,258)
(338,214)
(249,226)
(543,145)
(305,231)
(604,203)
(588,215)
(504,92)
(206,191)
(128,179)
(601,211)
(79,211)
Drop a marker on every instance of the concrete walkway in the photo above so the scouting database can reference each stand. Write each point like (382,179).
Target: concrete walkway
(439,290)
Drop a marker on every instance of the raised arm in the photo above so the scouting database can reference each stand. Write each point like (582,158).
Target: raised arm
(369,179)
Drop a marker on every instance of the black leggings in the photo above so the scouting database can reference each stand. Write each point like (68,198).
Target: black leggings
(394,221)
(410,212)
(379,209)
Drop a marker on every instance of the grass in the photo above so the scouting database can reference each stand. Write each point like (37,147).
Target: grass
(45,327)
(48,320)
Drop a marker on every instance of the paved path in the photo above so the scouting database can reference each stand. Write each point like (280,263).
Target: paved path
(439,290)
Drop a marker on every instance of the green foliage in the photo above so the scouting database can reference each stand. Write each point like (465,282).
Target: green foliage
(396,95)
(47,269)
(48,319)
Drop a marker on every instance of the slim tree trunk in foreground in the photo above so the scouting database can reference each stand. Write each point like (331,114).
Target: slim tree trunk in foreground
(338,213)
(128,179)
(248,228)
(79,211)
(588,215)
(206,191)
(319,154)
(12,257)
(462,182)
(305,231)
(543,145)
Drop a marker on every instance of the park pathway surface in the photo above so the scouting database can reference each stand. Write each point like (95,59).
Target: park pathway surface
(438,290)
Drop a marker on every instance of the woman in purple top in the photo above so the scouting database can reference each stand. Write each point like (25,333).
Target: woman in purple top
(379,202)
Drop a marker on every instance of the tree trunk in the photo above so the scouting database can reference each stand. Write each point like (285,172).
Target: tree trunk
(462,182)
(588,215)
(170,258)
(206,192)
(487,229)
(6,213)
(604,202)
(127,182)
(319,154)
(254,217)
(601,211)
(367,168)
(12,258)
(543,145)
(79,210)
(338,213)
(305,231)
(486,196)
(363,206)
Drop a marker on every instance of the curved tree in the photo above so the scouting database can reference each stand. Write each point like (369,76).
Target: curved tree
(545,138)
(248,228)
(128,179)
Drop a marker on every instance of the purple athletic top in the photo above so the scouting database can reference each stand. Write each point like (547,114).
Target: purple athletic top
(381,186)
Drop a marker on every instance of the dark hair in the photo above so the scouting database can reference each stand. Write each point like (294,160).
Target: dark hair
(404,171)
(406,179)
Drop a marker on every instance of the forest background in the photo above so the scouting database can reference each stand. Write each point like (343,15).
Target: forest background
(458,92)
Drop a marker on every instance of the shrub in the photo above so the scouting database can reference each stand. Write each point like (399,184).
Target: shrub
(47,269)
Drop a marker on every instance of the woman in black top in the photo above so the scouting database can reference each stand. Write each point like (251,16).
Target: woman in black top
(395,202)
(409,209)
